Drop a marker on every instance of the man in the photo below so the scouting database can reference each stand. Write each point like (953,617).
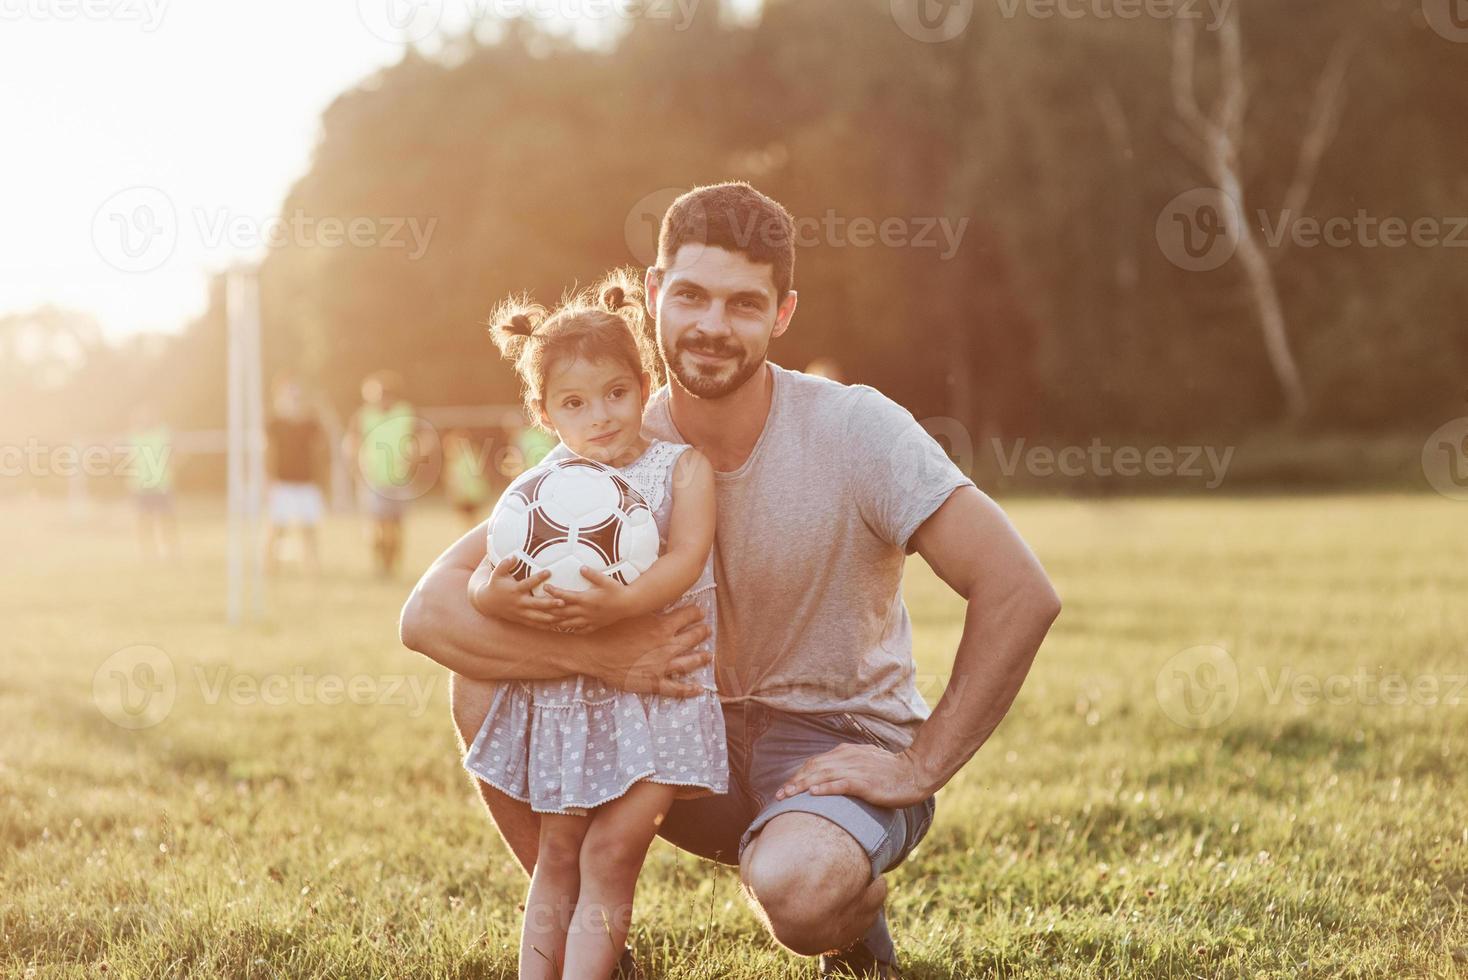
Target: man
(823,490)
(294,440)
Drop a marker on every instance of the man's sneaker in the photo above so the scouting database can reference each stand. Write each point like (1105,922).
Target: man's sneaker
(857,961)
(627,968)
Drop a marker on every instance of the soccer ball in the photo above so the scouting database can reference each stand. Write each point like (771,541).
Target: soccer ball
(572,514)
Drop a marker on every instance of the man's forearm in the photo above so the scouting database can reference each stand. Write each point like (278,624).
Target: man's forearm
(439,622)
(1000,639)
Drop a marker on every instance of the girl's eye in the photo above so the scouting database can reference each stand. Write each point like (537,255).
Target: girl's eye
(573,403)
(618,392)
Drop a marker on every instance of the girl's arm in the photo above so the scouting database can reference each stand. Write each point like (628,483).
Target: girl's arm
(690,538)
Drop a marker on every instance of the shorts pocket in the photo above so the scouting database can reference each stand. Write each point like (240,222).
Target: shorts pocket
(848,722)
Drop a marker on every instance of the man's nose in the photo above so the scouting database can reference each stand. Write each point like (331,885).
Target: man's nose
(715,323)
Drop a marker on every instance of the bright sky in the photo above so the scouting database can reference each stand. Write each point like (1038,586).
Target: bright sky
(136,130)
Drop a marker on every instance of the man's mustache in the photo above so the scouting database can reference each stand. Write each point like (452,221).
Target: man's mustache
(712,349)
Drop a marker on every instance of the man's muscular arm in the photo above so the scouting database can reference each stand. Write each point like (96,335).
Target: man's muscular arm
(643,654)
(973,547)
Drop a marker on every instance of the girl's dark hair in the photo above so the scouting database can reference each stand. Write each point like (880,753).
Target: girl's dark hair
(605,322)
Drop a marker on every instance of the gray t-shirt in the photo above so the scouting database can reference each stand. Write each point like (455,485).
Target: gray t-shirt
(813,532)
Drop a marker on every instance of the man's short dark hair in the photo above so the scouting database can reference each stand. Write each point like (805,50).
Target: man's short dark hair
(736,217)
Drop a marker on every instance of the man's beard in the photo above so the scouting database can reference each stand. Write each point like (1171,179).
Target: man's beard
(698,380)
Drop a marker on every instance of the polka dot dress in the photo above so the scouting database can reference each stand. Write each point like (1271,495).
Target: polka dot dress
(573,743)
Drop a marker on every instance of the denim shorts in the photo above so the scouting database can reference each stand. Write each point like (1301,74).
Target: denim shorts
(766,746)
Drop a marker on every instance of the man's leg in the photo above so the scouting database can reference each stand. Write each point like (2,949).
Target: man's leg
(811,882)
(812,865)
(517,823)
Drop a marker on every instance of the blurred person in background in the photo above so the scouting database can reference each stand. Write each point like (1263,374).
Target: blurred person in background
(384,437)
(465,480)
(534,443)
(295,441)
(151,478)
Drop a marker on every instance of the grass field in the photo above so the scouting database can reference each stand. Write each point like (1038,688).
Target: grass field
(260,831)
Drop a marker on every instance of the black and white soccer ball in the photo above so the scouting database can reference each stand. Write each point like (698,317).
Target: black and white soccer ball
(571,514)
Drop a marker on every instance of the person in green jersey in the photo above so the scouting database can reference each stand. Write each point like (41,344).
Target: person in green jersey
(150,477)
(386,438)
(465,481)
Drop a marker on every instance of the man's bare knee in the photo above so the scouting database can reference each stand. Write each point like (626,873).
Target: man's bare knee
(808,875)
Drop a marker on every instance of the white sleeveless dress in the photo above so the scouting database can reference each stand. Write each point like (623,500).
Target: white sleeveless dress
(570,744)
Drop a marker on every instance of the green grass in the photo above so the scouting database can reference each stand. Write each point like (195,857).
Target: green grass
(1093,836)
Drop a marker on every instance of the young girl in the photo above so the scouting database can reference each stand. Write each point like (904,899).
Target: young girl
(600,764)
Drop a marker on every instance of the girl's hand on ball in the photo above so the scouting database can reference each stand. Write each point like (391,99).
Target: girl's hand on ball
(602,604)
(505,598)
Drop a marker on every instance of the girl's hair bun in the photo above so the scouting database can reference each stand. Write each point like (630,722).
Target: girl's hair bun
(519,325)
(614,298)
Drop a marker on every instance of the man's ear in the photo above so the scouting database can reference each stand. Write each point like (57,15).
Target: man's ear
(650,286)
(784,314)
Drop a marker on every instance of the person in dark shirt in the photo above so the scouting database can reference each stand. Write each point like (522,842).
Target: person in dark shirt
(295,439)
